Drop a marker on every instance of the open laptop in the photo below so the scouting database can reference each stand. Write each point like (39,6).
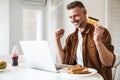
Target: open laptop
(38,55)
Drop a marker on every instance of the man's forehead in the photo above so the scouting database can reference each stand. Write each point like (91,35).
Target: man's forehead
(74,11)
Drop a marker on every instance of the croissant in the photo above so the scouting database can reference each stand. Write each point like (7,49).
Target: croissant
(78,69)
(3,64)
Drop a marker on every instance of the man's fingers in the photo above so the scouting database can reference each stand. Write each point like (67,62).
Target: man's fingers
(60,31)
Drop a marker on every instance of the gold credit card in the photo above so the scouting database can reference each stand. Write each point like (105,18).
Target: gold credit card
(92,20)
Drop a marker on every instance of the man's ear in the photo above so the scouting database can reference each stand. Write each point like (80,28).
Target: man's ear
(85,11)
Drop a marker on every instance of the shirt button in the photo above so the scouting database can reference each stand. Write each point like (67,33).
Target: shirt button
(83,47)
(91,45)
(84,57)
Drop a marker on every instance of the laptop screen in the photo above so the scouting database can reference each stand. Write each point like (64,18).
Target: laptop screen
(38,55)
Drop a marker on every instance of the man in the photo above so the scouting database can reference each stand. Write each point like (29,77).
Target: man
(88,45)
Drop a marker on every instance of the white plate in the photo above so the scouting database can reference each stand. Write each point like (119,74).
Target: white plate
(93,71)
(1,70)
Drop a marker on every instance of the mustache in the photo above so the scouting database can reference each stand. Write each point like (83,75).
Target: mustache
(76,21)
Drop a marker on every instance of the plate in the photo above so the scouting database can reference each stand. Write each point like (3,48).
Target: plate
(93,71)
(1,70)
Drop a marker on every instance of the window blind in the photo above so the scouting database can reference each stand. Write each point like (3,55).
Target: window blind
(115,24)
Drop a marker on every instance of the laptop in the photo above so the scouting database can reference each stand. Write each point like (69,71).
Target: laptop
(38,56)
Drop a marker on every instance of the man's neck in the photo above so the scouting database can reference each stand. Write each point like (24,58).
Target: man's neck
(81,29)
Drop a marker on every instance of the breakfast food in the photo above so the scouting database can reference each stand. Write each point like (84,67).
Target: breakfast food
(92,20)
(3,64)
(78,69)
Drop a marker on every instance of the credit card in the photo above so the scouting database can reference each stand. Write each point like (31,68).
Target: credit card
(93,21)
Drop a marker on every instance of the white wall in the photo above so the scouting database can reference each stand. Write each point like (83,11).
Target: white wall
(50,29)
(96,8)
(15,14)
(4,27)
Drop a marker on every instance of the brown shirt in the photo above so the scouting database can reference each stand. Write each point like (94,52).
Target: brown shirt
(89,52)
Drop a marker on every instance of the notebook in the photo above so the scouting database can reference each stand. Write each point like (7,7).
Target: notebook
(38,55)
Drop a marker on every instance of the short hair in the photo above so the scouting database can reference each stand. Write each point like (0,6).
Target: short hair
(75,4)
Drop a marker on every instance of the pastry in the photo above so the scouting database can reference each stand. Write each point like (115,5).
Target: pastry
(78,69)
(3,64)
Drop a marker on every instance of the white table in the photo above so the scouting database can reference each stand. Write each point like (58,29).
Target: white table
(23,72)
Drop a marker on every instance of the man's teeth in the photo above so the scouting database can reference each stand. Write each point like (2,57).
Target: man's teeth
(75,23)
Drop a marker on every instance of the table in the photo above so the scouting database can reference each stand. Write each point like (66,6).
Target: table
(23,72)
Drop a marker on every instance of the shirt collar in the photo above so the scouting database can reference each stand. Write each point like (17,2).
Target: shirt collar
(87,29)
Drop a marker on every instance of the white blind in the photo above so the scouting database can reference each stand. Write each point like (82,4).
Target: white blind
(35,2)
(115,24)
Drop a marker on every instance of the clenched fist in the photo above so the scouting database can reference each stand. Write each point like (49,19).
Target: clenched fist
(59,33)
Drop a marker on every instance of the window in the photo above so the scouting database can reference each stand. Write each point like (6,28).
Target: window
(32,24)
(114,18)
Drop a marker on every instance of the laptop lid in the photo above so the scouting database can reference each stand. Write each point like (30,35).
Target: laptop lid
(37,54)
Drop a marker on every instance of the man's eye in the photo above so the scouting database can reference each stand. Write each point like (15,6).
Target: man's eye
(70,17)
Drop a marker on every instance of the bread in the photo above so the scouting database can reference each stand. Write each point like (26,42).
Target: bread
(3,64)
(78,69)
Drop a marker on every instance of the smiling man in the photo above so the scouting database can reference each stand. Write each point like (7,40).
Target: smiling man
(88,45)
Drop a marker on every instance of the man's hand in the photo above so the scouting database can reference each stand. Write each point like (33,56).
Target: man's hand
(98,32)
(59,33)
(105,55)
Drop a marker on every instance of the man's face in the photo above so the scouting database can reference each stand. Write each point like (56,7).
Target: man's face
(77,16)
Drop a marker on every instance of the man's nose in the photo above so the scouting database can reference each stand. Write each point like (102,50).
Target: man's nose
(73,19)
